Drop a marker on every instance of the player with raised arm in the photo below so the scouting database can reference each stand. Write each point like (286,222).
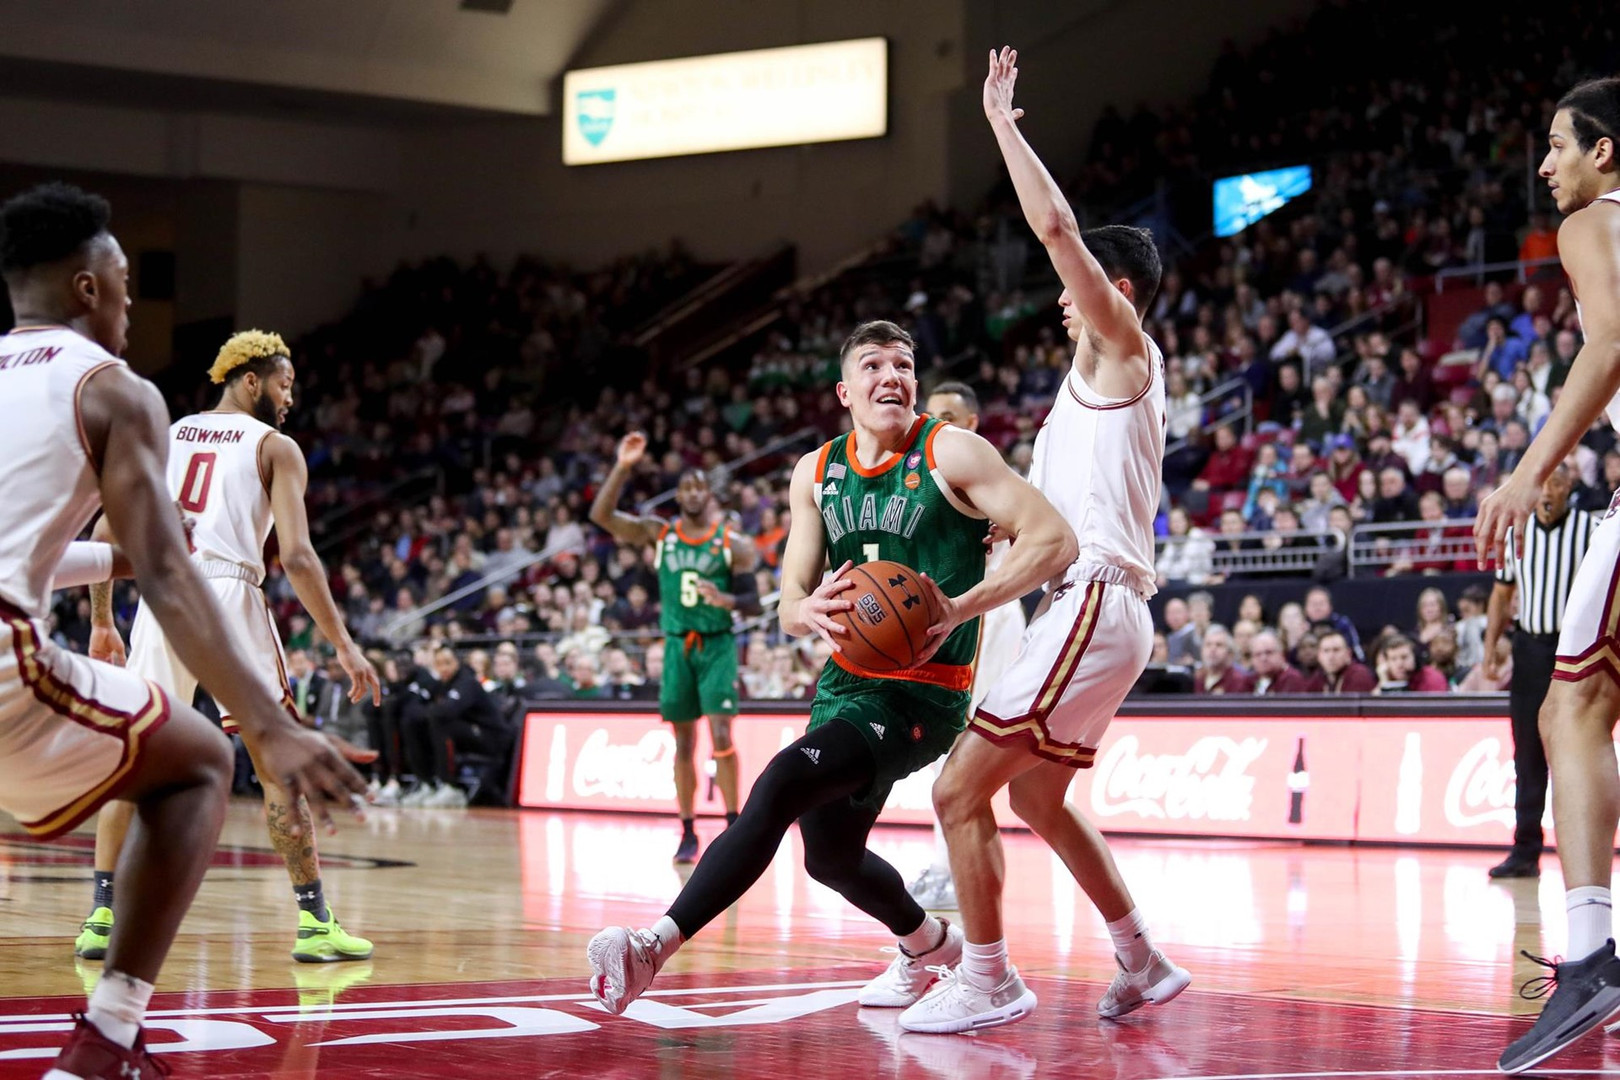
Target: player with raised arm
(705,571)
(78,429)
(1577,718)
(1098,458)
(235,476)
(940,487)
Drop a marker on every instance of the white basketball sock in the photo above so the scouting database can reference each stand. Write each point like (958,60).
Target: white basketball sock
(669,938)
(925,939)
(984,966)
(1131,940)
(118,1005)
(1591,919)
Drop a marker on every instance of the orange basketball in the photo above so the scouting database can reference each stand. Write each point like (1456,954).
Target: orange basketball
(888,626)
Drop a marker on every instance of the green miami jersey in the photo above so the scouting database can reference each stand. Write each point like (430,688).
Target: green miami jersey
(684,562)
(900,511)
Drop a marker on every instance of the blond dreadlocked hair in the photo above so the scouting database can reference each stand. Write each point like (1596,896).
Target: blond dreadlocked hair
(244,348)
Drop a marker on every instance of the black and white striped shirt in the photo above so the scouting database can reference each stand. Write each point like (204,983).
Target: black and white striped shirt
(1547,571)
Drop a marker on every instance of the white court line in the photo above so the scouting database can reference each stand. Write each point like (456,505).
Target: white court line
(416,1003)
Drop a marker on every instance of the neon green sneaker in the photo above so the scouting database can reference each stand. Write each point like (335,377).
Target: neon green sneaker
(91,943)
(326,942)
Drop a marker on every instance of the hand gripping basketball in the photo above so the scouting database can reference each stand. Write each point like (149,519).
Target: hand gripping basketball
(949,617)
(820,607)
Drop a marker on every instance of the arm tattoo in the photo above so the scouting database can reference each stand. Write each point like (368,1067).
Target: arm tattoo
(101,613)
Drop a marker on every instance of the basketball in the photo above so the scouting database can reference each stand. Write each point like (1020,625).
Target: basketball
(888,626)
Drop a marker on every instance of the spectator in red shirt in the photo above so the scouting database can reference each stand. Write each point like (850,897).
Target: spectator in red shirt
(1217,674)
(1414,383)
(1398,671)
(1343,465)
(1340,673)
(1272,674)
(1228,466)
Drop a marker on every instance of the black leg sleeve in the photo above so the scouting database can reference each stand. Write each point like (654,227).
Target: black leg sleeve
(831,762)
(836,855)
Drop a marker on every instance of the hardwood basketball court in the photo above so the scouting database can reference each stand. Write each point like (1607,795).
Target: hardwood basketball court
(1307,960)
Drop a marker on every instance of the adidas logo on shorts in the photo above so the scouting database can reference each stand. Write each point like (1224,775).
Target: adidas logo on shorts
(812,753)
(879,729)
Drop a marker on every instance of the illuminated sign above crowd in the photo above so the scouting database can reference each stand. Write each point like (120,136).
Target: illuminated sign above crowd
(729,101)
(1240,201)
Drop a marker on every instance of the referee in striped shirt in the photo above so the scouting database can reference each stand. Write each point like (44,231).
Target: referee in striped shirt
(1554,544)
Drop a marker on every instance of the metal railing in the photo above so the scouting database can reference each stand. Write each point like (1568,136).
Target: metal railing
(391,629)
(1478,273)
(1273,553)
(1224,392)
(775,446)
(1416,546)
(352,519)
(633,640)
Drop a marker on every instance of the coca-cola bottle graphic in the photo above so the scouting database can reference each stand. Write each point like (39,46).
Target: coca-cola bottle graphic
(1409,787)
(557,766)
(1298,781)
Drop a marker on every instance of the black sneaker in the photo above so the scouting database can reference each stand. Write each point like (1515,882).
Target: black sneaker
(687,852)
(1584,994)
(1517,866)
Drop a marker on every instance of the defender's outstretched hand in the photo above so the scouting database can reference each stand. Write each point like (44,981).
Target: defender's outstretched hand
(998,85)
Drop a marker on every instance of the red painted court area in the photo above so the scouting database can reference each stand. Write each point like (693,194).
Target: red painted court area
(754,1026)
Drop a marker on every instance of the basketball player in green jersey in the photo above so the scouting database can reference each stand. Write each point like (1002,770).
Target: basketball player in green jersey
(698,559)
(922,493)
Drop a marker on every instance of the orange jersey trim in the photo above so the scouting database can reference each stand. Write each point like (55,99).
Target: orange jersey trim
(854,462)
(946,676)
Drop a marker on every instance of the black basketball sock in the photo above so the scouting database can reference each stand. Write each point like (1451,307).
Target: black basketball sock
(312,899)
(688,828)
(104,890)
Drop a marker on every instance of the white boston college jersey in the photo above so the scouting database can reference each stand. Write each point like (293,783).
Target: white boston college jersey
(214,474)
(48,487)
(1100,463)
(1613,408)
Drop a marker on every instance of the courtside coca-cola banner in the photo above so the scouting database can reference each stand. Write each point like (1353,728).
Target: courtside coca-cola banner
(1421,779)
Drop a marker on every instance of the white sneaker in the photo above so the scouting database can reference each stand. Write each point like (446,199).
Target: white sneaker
(623,963)
(907,978)
(387,795)
(446,797)
(1157,982)
(953,1005)
(934,890)
(418,795)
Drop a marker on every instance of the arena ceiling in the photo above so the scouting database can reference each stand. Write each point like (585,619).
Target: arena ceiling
(350,59)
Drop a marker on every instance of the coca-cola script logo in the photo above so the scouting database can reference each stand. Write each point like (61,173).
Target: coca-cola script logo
(1209,782)
(1482,787)
(642,770)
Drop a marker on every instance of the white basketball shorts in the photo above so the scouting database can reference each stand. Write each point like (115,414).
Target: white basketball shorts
(1079,659)
(247,618)
(72,729)
(1589,641)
